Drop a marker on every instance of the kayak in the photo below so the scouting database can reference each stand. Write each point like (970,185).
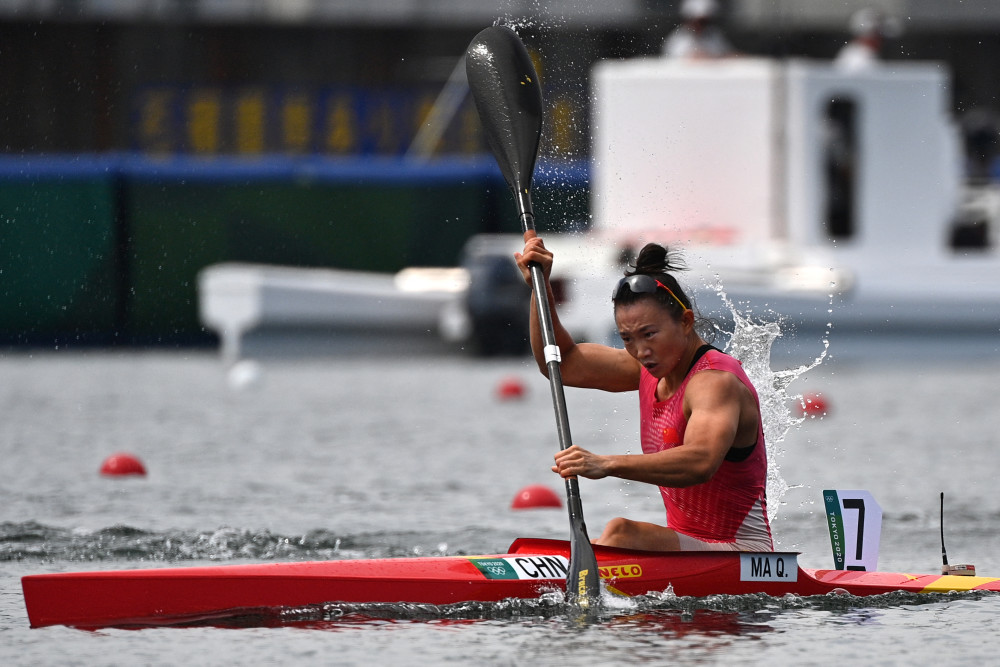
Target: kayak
(530,568)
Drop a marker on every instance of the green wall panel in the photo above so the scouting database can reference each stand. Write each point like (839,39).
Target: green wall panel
(177,229)
(58,276)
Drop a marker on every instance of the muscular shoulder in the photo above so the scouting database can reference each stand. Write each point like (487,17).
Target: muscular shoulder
(713,387)
(721,398)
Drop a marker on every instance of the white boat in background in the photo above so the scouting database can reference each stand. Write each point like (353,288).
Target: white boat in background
(804,191)
(304,306)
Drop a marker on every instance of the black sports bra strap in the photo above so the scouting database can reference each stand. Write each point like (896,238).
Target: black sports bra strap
(700,352)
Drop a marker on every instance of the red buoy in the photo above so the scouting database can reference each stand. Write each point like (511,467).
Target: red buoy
(531,497)
(814,405)
(510,388)
(122,464)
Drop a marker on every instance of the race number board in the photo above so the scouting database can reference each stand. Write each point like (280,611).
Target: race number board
(855,522)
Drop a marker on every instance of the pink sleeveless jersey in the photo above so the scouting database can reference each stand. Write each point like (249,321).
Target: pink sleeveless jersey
(730,507)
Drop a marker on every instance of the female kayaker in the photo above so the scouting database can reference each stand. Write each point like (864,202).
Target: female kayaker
(701,432)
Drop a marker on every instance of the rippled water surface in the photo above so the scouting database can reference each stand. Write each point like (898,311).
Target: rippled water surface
(335,458)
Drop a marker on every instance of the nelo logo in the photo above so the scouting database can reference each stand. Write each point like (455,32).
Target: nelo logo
(621,571)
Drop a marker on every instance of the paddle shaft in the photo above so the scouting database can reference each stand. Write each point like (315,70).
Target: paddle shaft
(508,98)
(552,356)
(583,582)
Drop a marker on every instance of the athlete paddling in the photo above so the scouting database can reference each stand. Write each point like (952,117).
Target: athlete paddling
(701,431)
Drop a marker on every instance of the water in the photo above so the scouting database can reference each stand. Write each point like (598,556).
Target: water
(365,457)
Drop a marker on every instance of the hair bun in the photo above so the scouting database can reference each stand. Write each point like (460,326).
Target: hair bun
(655,258)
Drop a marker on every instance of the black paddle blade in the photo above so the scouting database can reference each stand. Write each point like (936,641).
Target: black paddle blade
(508,97)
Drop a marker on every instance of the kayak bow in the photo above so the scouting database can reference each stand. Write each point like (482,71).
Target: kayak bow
(165,596)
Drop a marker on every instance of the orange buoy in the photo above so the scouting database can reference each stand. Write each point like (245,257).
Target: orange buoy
(122,464)
(510,388)
(814,405)
(531,497)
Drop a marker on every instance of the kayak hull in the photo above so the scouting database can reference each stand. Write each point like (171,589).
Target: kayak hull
(163,596)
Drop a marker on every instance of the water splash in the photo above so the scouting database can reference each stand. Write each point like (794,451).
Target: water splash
(564,71)
(750,342)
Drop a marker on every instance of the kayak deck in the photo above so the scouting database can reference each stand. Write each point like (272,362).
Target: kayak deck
(530,568)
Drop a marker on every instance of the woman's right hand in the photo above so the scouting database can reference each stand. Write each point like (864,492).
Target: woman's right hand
(534,251)
(576,461)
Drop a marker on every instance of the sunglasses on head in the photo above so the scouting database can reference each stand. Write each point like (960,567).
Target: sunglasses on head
(641,283)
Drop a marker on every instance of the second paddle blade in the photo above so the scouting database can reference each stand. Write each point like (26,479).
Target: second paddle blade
(583,582)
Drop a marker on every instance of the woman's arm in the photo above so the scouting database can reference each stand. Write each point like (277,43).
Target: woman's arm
(717,401)
(587,365)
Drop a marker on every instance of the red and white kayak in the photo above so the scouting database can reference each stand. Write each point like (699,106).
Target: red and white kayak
(530,568)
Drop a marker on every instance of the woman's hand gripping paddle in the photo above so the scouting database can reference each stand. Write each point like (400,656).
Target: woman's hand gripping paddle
(508,98)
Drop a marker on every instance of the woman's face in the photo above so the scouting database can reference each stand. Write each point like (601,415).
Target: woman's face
(652,335)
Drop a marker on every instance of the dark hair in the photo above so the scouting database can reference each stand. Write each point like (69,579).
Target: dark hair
(660,263)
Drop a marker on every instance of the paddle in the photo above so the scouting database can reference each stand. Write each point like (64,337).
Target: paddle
(508,98)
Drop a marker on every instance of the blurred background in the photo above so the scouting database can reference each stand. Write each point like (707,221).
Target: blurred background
(143,140)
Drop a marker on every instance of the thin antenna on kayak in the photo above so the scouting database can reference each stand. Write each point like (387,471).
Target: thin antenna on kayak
(944,553)
(964,570)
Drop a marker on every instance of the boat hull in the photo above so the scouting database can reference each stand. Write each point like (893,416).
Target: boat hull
(531,567)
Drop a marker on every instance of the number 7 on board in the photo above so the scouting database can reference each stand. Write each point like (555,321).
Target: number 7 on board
(855,522)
